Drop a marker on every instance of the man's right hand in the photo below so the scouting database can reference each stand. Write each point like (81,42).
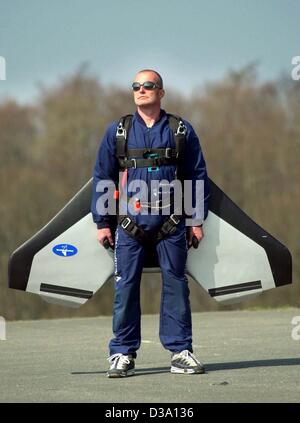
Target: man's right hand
(104,233)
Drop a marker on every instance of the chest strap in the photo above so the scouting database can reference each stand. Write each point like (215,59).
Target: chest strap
(150,162)
(160,156)
(142,153)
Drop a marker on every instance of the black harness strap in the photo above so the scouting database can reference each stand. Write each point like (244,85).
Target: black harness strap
(179,130)
(163,156)
(166,153)
(142,158)
(150,162)
(144,237)
(168,227)
(133,230)
(121,135)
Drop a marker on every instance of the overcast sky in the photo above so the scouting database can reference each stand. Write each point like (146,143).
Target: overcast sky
(188,42)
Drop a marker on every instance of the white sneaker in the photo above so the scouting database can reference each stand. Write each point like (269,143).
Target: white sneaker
(186,362)
(120,365)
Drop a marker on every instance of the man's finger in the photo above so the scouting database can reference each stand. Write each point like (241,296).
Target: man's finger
(195,242)
(106,243)
(104,234)
(101,240)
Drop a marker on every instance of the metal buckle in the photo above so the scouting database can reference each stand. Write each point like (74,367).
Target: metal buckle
(174,219)
(121,131)
(182,129)
(155,165)
(125,222)
(134,163)
(168,152)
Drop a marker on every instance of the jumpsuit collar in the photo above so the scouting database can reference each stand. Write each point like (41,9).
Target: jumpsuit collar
(141,120)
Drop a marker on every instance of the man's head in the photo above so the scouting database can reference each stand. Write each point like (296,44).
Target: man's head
(148,95)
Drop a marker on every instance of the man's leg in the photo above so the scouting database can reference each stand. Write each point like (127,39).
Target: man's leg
(129,259)
(175,312)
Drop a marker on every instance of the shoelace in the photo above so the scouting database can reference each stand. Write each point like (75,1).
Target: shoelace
(188,358)
(119,364)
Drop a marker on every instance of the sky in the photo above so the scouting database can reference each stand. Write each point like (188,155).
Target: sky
(189,42)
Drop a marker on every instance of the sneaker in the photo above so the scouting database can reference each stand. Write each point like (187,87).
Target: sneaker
(120,365)
(186,362)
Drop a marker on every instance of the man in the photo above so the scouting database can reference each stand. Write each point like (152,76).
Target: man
(150,130)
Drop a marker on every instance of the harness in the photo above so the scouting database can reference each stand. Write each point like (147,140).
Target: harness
(151,158)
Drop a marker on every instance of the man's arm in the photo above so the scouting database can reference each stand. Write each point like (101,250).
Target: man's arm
(106,169)
(194,169)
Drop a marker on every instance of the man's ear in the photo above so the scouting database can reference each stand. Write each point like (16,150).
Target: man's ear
(161,93)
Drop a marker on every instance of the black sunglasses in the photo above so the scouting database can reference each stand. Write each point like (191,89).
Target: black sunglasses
(148,85)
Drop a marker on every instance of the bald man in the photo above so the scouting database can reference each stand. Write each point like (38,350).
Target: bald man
(151,134)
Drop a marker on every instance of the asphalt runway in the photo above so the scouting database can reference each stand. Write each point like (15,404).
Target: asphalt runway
(250,356)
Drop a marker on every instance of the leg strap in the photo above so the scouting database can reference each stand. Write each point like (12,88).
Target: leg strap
(144,237)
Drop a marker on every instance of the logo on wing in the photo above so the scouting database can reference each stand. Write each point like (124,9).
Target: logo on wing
(64,250)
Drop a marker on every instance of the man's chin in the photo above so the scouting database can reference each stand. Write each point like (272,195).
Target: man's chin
(145,103)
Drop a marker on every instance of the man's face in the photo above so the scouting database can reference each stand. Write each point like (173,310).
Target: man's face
(145,97)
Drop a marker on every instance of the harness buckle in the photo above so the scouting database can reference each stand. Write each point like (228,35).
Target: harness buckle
(125,222)
(182,129)
(155,165)
(134,163)
(121,131)
(168,152)
(174,219)
(153,169)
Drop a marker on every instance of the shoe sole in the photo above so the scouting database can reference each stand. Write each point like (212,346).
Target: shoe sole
(118,375)
(187,371)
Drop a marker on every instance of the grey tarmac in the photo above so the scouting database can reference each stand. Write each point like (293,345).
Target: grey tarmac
(249,356)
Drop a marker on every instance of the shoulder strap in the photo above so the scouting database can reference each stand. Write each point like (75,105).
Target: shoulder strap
(179,130)
(176,124)
(122,134)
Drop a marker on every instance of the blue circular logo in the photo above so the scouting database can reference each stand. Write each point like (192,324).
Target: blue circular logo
(64,250)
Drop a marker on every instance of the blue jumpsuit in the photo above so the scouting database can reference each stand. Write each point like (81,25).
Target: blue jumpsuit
(175,312)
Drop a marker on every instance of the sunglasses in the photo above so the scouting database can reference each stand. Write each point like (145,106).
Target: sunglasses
(148,85)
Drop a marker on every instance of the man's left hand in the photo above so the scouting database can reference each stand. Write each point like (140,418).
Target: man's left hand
(195,231)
